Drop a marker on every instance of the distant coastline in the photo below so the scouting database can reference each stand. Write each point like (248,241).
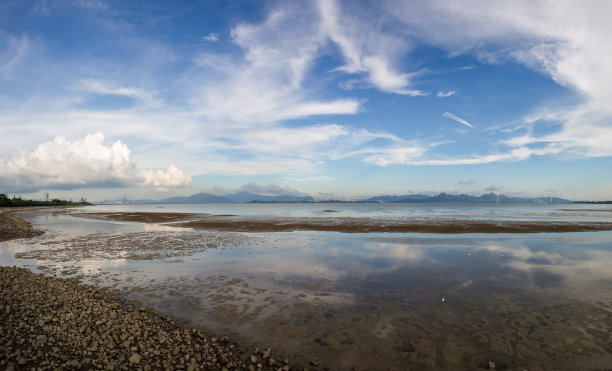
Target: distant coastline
(248,197)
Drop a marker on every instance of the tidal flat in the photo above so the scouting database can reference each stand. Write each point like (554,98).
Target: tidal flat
(352,300)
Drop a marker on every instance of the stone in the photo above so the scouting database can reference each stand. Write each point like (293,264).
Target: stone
(135,358)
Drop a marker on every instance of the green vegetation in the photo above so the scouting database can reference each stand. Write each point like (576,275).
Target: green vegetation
(18,202)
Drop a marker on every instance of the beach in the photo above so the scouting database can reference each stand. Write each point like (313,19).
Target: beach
(12,227)
(346,297)
(52,323)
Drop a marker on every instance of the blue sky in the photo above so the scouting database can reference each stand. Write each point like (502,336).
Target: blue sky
(101,99)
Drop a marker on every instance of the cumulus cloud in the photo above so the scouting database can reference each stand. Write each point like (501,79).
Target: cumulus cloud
(83,163)
(270,189)
(173,177)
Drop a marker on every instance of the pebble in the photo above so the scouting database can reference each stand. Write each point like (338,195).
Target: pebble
(12,227)
(135,358)
(84,327)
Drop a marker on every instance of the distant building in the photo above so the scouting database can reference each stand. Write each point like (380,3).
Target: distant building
(47,196)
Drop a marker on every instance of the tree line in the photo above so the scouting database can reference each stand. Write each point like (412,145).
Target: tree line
(18,202)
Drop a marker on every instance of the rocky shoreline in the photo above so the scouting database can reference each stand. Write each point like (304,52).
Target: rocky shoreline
(12,227)
(52,323)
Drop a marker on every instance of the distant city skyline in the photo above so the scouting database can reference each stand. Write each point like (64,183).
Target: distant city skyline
(107,99)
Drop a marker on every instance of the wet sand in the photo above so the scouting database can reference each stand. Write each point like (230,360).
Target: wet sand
(349,225)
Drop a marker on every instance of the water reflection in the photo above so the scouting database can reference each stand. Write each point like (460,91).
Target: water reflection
(360,300)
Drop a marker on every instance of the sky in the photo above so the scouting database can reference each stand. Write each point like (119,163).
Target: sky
(152,99)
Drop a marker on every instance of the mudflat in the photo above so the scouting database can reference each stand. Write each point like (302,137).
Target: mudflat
(349,225)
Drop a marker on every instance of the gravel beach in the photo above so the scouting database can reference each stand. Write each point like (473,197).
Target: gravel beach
(11,227)
(52,323)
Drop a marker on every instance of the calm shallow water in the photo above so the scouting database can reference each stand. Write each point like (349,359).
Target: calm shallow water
(374,300)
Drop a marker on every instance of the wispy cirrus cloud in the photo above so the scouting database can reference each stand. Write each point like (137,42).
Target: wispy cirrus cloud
(466,182)
(458,119)
(213,37)
(445,94)
(365,49)
(13,50)
(562,40)
(265,100)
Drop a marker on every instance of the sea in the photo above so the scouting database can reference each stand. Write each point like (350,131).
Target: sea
(355,300)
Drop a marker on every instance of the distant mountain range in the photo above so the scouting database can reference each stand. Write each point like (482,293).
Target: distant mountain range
(462,198)
(248,197)
(233,198)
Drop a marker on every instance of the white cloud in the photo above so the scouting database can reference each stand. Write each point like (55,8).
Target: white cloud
(444,94)
(173,177)
(336,107)
(565,40)
(270,189)
(366,49)
(458,119)
(467,181)
(309,179)
(267,85)
(101,87)
(515,154)
(394,155)
(88,162)
(232,123)
(13,50)
(212,37)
